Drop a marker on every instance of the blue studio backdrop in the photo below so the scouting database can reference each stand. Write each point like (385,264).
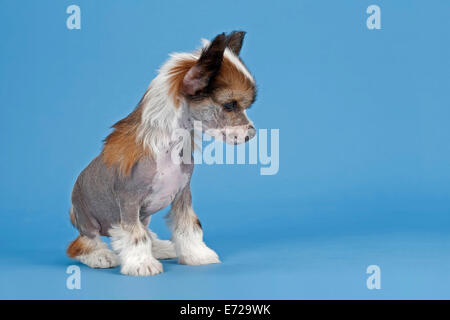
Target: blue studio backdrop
(364,154)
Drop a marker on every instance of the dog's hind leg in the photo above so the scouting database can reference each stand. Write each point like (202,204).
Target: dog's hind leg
(88,247)
(92,252)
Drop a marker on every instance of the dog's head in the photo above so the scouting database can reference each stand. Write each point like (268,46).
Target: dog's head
(218,89)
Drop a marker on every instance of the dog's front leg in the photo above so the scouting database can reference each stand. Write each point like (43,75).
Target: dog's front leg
(187,233)
(133,244)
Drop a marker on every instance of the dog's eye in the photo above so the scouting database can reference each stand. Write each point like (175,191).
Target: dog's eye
(230,106)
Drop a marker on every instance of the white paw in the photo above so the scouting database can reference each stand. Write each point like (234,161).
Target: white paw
(198,254)
(163,249)
(100,258)
(148,266)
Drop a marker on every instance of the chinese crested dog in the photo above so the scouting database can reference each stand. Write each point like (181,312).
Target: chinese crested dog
(141,171)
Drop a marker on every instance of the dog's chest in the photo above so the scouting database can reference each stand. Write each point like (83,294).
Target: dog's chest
(168,180)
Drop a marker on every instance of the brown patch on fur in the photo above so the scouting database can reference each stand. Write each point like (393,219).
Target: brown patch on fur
(177,74)
(140,240)
(232,84)
(138,233)
(122,149)
(78,247)
(197,222)
(229,83)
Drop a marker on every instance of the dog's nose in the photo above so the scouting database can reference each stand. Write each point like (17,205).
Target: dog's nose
(251,132)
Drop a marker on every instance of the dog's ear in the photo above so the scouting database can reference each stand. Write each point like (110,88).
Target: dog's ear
(200,75)
(235,40)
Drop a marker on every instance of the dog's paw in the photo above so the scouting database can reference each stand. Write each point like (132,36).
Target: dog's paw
(101,258)
(198,254)
(163,249)
(148,266)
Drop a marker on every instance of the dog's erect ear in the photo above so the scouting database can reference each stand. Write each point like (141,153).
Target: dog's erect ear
(235,40)
(200,75)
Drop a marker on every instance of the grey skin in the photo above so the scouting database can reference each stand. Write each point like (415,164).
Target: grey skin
(101,198)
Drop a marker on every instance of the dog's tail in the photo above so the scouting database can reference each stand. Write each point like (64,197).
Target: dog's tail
(75,247)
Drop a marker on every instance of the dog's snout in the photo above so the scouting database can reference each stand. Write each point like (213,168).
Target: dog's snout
(251,132)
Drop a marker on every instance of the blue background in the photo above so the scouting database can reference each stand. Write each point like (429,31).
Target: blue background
(364,146)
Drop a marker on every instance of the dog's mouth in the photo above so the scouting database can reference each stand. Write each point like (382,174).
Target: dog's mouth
(233,135)
(235,140)
(239,136)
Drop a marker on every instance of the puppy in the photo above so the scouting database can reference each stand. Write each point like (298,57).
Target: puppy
(137,174)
